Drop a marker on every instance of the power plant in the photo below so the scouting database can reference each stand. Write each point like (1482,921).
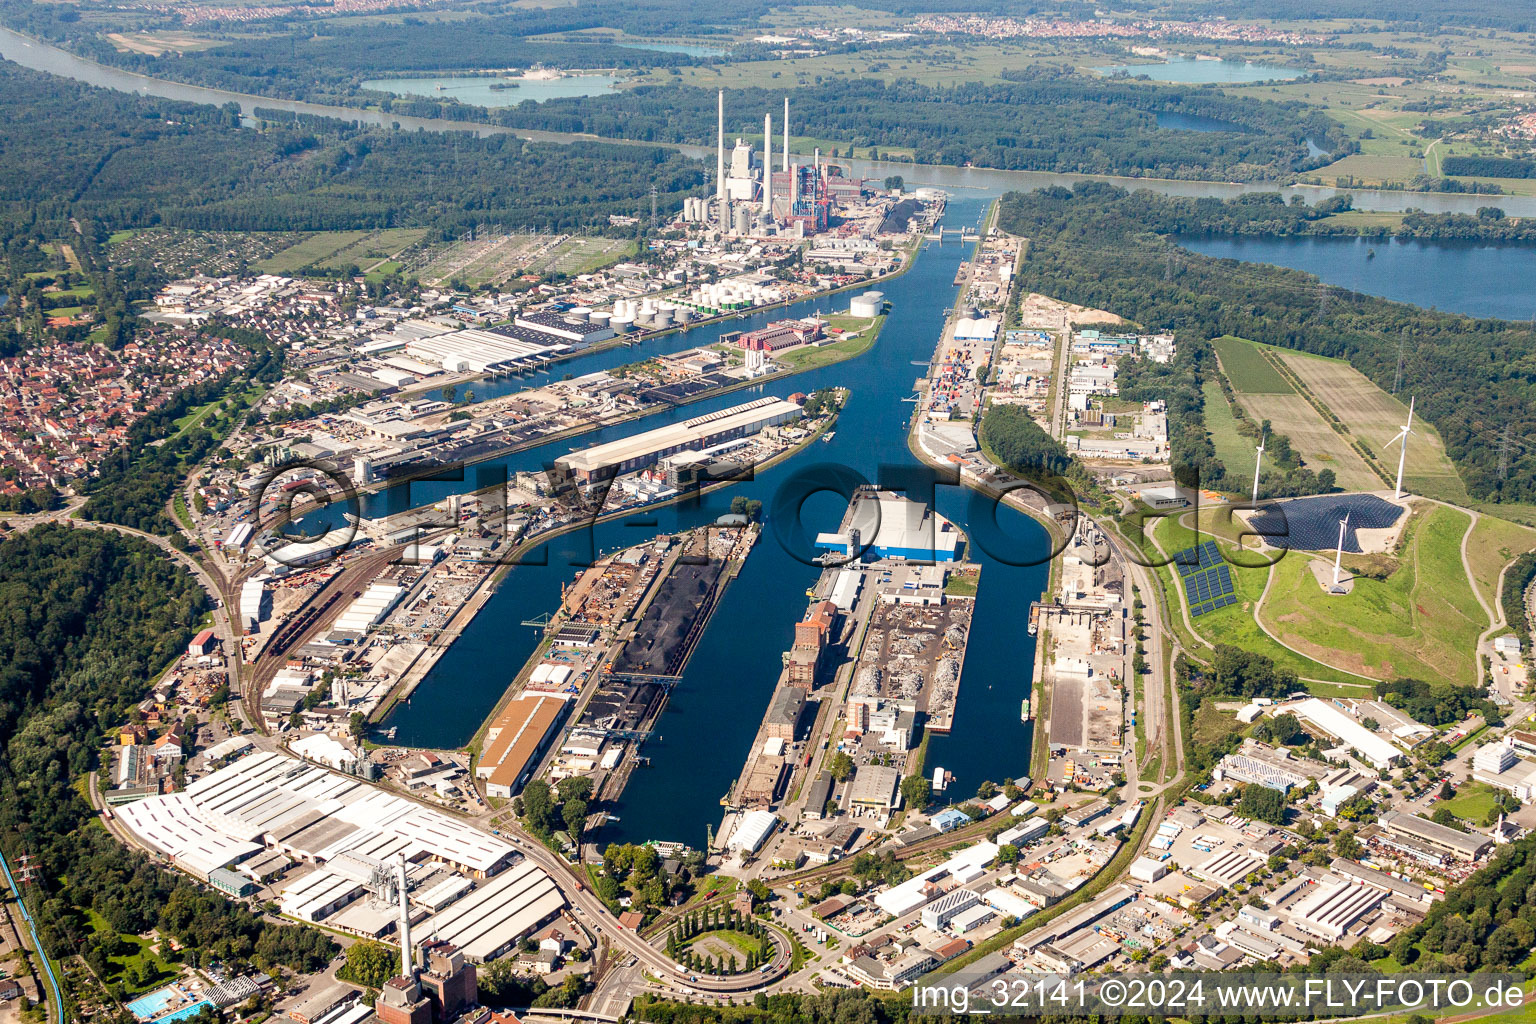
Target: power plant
(751,198)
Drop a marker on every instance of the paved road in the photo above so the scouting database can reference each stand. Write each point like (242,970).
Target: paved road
(603,925)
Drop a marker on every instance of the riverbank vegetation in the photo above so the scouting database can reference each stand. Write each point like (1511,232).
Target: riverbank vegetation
(1105,248)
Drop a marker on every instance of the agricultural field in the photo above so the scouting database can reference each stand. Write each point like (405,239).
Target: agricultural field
(1245,366)
(338,250)
(158,44)
(1320,445)
(1375,417)
(494,259)
(1422,621)
(1267,395)
(1233,449)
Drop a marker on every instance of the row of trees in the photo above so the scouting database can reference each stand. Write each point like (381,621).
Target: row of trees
(719,919)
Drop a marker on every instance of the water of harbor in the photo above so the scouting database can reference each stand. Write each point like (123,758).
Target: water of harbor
(701,741)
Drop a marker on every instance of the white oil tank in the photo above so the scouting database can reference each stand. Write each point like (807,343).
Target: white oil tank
(870,304)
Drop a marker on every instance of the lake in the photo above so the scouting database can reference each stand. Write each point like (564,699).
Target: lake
(1478,280)
(690,49)
(1191,71)
(478,91)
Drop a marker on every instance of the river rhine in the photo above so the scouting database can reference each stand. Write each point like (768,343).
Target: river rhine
(41,56)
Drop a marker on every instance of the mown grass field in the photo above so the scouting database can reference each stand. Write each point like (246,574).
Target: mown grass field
(1233,449)
(1236,624)
(316,247)
(1493,545)
(1375,417)
(1422,621)
(1247,369)
(808,358)
(1473,802)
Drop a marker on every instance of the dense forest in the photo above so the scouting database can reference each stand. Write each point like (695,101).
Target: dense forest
(1489,166)
(1270,215)
(1102,247)
(87,619)
(326,68)
(68,149)
(1041,120)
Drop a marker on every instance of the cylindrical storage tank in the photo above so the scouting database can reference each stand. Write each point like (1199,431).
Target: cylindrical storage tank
(870,304)
(743,221)
(622,324)
(602,319)
(581,314)
(662,319)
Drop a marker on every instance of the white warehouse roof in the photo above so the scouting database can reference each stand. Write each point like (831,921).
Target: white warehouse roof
(1346,730)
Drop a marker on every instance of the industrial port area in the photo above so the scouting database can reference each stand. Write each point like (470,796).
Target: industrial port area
(456,695)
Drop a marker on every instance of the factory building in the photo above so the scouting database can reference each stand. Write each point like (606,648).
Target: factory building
(781,334)
(883,524)
(569,326)
(812,636)
(1335,907)
(1414,835)
(370,609)
(605,461)
(1348,732)
(516,740)
(500,914)
(255,603)
(487,350)
(946,908)
(874,786)
(1499,765)
(1259,772)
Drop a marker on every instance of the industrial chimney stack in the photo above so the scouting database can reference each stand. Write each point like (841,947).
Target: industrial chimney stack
(407,956)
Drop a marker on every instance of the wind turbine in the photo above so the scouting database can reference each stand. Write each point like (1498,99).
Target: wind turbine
(1257,462)
(1402,456)
(1338,552)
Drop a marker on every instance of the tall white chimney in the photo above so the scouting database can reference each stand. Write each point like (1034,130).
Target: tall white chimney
(407,954)
(725,210)
(786,134)
(767,165)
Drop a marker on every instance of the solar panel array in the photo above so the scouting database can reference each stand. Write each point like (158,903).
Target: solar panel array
(1312,524)
(1207,578)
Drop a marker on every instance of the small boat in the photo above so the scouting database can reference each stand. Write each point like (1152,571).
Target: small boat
(1025,712)
(829,435)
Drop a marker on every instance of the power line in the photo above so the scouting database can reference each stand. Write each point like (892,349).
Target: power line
(1397,378)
